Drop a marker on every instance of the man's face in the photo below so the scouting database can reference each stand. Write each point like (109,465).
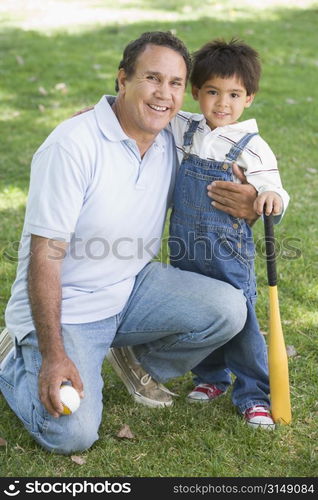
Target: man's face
(154,93)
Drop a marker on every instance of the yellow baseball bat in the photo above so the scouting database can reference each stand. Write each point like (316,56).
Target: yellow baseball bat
(277,355)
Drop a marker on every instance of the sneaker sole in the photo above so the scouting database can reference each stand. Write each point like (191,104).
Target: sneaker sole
(197,400)
(266,427)
(204,401)
(139,398)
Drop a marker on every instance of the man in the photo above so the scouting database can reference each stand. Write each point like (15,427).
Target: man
(99,190)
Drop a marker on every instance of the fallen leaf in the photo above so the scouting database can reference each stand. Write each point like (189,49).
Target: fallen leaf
(3,442)
(291,351)
(20,60)
(290,101)
(125,432)
(78,460)
(97,66)
(138,457)
(18,447)
(62,87)
(41,108)
(42,91)
(312,170)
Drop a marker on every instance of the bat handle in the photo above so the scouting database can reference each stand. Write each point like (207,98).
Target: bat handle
(270,250)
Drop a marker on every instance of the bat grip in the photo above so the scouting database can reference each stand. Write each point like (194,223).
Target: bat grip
(270,250)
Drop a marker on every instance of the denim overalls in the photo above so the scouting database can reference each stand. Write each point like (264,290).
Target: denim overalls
(206,240)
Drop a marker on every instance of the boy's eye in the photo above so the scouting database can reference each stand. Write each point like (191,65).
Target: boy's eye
(234,95)
(212,92)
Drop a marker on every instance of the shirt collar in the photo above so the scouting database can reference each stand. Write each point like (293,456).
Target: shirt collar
(246,126)
(107,120)
(110,126)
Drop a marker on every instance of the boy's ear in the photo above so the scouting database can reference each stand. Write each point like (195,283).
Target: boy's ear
(249,100)
(195,92)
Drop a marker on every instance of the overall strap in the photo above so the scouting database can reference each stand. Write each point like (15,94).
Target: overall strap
(189,133)
(237,149)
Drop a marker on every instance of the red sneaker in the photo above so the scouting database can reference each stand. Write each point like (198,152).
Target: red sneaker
(259,416)
(203,393)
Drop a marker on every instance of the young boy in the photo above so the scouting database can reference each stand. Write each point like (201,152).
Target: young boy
(224,80)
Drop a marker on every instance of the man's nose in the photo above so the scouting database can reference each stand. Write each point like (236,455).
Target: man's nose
(163,90)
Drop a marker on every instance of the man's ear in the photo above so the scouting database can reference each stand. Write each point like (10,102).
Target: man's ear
(121,78)
(249,100)
(195,92)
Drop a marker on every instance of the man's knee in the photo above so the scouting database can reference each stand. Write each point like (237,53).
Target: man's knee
(235,312)
(225,309)
(70,434)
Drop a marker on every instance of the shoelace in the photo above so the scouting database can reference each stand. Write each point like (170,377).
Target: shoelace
(258,409)
(145,379)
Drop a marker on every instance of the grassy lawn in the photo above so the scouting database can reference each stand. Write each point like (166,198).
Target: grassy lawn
(56,59)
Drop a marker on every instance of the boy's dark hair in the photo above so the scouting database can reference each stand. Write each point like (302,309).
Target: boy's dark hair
(225,59)
(162,38)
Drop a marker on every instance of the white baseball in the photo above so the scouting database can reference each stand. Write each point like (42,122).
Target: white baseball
(70,399)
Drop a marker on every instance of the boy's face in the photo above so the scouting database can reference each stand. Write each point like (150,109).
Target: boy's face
(222,100)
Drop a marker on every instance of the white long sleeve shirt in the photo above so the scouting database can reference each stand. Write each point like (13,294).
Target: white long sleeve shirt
(257,160)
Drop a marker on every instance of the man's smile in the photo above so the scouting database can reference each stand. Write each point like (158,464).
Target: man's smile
(158,108)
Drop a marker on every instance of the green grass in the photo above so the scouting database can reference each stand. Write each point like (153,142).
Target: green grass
(185,440)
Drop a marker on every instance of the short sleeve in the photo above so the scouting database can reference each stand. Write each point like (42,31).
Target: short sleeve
(56,193)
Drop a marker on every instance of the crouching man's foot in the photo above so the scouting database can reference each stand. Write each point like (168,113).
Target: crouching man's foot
(6,347)
(143,388)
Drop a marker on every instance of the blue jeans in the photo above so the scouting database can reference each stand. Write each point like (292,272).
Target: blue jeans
(209,241)
(170,320)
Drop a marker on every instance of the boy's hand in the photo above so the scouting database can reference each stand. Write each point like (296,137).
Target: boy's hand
(269,200)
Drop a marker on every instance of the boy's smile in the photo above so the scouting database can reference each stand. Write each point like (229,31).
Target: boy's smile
(222,100)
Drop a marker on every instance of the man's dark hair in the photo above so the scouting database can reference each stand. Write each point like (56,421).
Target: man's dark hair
(225,59)
(162,38)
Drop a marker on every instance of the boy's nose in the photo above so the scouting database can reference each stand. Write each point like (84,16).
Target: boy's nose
(222,100)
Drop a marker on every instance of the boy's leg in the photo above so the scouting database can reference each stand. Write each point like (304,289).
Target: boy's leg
(173,323)
(246,357)
(212,371)
(211,378)
(87,346)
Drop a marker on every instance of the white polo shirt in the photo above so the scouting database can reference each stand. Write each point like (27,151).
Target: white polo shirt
(90,187)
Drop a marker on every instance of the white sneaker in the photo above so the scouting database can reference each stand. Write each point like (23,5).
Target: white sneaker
(259,416)
(203,393)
